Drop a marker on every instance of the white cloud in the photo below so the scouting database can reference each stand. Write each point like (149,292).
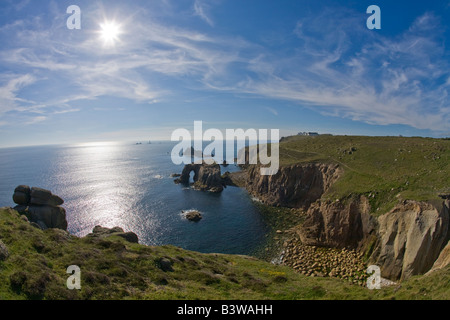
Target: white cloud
(35,120)
(201,8)
(338,67)
(272,111)
(383,81)
(9,92)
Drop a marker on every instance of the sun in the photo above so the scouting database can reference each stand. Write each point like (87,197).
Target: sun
(109,32)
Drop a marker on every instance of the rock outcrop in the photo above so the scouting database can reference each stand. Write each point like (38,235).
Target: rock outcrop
(102,232)
(337,225)
(411,237)
(207,177)
(41,207)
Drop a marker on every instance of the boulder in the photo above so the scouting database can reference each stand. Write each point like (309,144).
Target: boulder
(22,195)
(44,197)
(165,265)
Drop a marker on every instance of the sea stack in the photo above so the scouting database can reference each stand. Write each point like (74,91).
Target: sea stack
(207,177)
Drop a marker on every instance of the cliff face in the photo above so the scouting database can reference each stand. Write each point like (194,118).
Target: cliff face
(293,186)
(408,239)
(338,225)
(411,237)
(403,242)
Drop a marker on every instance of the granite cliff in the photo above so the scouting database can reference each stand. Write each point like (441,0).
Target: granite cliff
(405,241)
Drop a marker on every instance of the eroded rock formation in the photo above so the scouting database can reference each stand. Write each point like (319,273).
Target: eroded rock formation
(207,177)
(41,207)
(102,232)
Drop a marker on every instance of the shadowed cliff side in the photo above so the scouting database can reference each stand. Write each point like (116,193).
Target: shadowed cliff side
(293,186)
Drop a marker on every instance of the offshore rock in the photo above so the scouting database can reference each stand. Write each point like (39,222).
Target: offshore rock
(207,177)
(193,215)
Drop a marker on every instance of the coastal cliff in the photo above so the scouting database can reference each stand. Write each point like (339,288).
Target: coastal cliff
(411,237)
(293,186)
(376,195)
(403,242)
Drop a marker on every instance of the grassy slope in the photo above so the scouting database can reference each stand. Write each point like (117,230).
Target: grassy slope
(387,168)
(112,268)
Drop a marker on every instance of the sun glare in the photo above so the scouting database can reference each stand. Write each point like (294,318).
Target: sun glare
(109,32)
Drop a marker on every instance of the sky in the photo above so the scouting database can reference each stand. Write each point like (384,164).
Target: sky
(137,70)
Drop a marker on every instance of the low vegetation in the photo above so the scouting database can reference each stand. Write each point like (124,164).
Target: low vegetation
(385,169)
(112,268)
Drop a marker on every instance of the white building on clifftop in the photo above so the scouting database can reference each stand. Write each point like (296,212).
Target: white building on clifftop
(308,134)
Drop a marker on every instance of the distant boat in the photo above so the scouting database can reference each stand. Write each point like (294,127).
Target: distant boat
(149,142)
(138,143)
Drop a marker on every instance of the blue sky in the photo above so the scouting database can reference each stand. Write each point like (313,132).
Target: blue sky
(290,65)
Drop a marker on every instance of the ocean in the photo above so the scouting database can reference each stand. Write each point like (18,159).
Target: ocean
(129,185)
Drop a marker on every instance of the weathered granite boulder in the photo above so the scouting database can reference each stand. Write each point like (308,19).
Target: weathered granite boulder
(44,197)
(22,195)
(41,207)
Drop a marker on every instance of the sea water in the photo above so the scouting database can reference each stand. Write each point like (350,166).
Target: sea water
(129,185)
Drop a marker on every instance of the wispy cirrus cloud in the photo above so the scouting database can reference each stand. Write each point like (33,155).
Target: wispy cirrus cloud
(380,81)
(201,9)
(334,65)
(146,50)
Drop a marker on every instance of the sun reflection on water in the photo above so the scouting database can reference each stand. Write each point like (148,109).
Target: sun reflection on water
(103,182)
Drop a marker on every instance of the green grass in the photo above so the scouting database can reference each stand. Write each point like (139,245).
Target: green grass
(112,268)
(386,169)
